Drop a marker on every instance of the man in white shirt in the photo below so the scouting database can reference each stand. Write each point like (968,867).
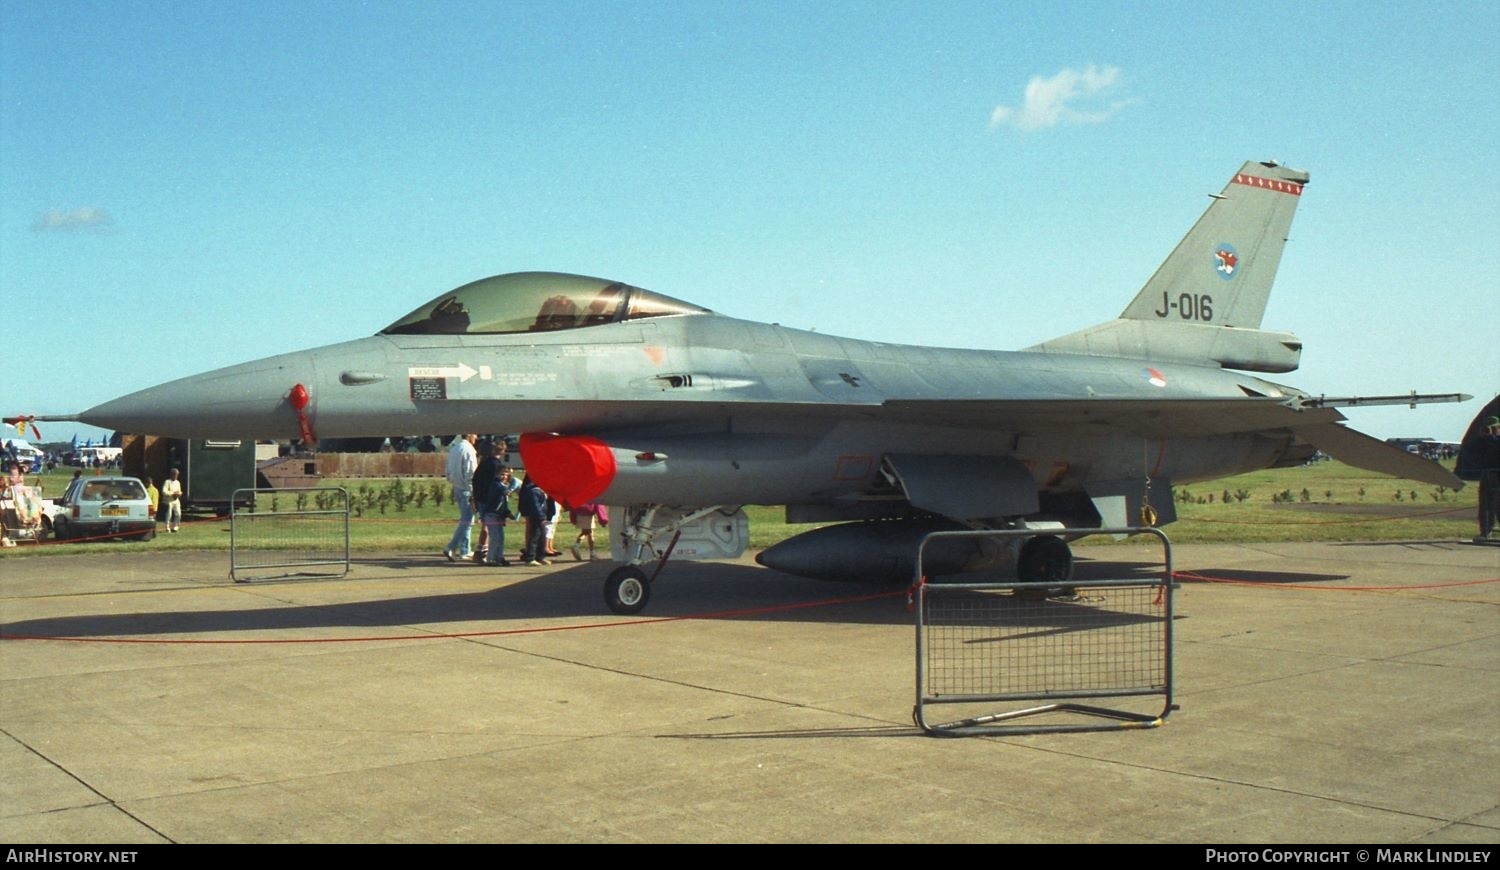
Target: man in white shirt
(460,468)
(171,494)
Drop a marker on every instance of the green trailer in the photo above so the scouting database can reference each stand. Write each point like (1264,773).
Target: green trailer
(211,470)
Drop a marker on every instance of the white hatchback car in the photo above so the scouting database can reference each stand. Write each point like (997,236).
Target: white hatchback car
(104,507)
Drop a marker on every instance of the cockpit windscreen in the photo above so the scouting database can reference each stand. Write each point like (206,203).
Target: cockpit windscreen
(536,302)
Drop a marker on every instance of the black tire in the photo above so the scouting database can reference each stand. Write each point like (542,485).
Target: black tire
(144,536)
(1046,559)
(627,590)
(60,531)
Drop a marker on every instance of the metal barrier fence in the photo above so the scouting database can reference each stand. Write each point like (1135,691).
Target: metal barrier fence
(979,644)
(297,531)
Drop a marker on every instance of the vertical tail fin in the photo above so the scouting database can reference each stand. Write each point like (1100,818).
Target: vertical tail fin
(1229,256)
(1206,301)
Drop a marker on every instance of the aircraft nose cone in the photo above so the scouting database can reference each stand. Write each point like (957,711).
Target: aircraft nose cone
(244,401)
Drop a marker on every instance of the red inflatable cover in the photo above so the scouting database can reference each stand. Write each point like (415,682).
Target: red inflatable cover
(574,469)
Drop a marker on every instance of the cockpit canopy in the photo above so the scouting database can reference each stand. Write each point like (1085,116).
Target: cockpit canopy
(535,302)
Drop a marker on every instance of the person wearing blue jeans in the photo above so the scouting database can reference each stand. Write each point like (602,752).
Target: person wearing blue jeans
(460,467)
(495,513)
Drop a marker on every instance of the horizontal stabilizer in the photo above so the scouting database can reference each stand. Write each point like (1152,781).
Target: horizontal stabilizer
(1362,451)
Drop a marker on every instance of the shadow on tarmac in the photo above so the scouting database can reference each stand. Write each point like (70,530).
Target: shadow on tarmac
(706,591)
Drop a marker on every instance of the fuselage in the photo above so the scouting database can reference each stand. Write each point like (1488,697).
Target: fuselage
(707,409)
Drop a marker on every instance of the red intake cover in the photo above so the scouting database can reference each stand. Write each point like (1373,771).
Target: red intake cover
(574,469)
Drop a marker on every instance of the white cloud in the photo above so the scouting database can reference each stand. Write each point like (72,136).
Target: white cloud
(1071,97)
(89,217)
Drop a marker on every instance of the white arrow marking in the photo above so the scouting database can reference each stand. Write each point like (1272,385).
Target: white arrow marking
(460,371)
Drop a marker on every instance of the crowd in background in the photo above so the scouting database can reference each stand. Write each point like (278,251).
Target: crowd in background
(484,487)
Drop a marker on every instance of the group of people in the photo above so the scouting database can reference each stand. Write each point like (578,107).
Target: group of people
(169,495)
(483,487)
(24,503)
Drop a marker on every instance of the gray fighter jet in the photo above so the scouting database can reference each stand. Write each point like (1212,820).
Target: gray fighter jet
(681,416)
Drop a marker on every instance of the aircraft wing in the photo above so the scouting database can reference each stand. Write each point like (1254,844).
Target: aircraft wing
(1179,418)
(1150,418)
(1146,418)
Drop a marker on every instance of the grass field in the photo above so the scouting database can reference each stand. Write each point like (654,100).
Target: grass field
(1326,501)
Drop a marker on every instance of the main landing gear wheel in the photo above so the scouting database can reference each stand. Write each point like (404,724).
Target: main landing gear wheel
(1045,559)
(627,590)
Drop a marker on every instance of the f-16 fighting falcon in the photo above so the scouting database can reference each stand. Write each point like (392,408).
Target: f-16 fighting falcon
(679,416)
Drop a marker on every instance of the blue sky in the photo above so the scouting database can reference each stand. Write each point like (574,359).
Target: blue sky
(190,185)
